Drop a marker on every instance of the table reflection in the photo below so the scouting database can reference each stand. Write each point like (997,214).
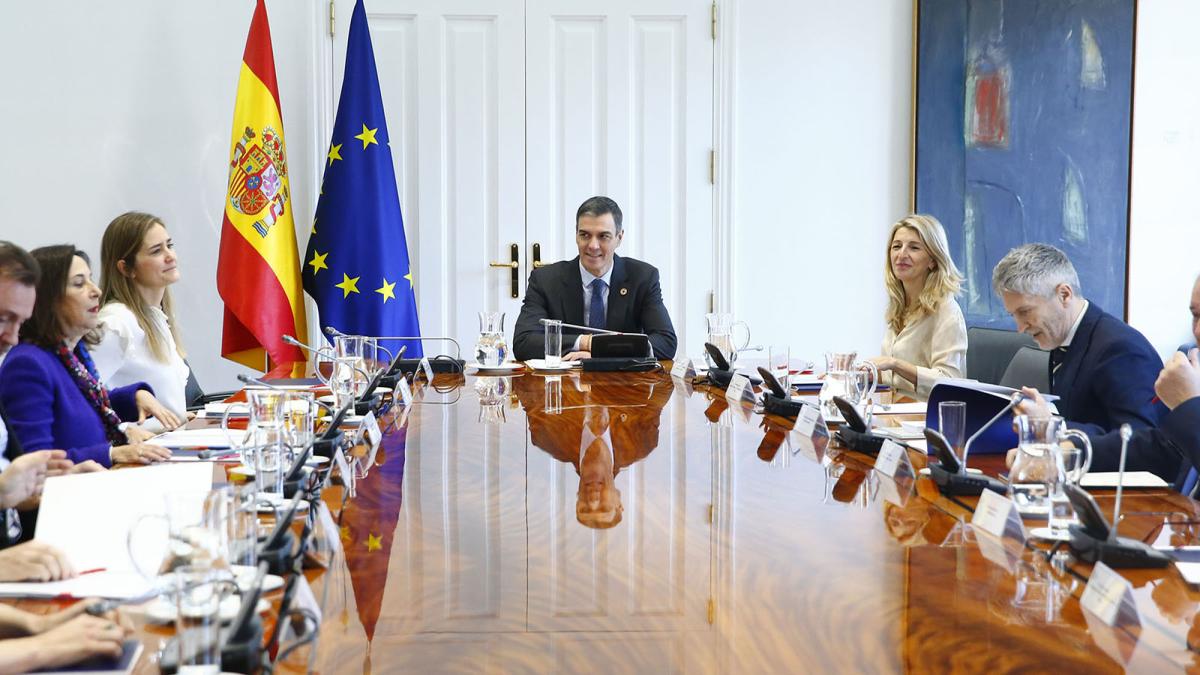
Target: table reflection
(597,439)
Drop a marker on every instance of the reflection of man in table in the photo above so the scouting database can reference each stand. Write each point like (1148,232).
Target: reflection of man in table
(597,437)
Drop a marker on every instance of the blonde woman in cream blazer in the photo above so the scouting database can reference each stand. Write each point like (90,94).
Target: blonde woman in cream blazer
(926,337)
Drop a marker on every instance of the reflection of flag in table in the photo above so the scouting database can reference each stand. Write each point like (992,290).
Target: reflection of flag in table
(258,272)
(357,266)
(369,524)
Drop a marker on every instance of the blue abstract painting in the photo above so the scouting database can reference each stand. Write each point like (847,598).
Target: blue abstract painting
(1022,135)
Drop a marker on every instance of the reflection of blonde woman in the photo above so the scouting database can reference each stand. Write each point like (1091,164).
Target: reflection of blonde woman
(926,336)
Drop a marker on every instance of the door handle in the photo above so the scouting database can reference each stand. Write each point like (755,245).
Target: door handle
(514,264)
(537,257)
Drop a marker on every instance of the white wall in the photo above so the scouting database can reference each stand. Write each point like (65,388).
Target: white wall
(823,125)
(1164,247)
(111,107)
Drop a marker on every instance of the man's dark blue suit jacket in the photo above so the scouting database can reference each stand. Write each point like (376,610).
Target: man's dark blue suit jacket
(1106,380)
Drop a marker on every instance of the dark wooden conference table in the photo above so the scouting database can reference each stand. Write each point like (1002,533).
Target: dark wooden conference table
(741,549)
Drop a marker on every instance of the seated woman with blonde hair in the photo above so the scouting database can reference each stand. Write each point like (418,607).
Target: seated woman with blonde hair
(139,337)
(926,337)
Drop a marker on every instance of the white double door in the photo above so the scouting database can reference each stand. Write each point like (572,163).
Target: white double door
(504,115)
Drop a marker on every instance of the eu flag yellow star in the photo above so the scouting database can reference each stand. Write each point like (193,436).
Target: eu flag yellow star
(374,542)
(367,136)
(335,152)
(388,291)
(345,532)
(318,261)
(410,281)
(348,285)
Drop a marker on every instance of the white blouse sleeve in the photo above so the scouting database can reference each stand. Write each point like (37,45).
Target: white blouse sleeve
(116,341)
(948,348)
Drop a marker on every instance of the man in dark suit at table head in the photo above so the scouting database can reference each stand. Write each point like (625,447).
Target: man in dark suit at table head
(598,289)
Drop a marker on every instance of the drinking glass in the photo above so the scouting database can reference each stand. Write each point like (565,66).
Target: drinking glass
(553,342)
(298,418)
(242,524)
(779,358)
(553,396)
(952,420)
(198,595)
(270,463)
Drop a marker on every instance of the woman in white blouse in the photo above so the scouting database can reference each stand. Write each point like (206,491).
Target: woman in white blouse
(139,339)
(926,336)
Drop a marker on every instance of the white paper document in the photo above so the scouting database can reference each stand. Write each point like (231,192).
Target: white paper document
(193,438)
(115,585)
(1133,479)
(88,516)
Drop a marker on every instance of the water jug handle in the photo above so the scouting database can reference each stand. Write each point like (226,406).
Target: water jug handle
(868,366)
(1085,447)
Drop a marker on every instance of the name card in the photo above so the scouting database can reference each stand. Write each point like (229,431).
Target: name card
(1109,595)
(740,390)
(998,516)
(343,467)
(893,461)
(683,369)
(806,421)
(369,430)
(427,369)
(402,393)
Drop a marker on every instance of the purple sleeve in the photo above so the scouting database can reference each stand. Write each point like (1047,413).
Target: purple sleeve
(124,400)
(27,392)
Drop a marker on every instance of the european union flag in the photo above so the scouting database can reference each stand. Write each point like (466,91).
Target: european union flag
(356,267)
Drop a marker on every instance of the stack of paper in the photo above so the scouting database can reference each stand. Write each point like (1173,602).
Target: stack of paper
(88,518)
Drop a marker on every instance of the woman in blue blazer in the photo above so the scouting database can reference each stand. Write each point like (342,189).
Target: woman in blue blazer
(48,385)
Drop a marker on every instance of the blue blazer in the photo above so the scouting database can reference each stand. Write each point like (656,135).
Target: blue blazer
(46,410)
(1170,450)
(1107,379)
(635,305)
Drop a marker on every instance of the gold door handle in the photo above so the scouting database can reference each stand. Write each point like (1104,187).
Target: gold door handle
(537,257)
(514,264)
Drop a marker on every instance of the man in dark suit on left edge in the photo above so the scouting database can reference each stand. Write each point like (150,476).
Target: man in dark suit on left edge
(598,289)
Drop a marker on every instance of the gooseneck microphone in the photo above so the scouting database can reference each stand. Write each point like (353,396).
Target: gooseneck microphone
(1017,397)
(1126,434)
(333,332)
(589,329)
(323,351)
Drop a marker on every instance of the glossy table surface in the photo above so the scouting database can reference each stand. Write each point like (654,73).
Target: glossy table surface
(740,548)
(480,538)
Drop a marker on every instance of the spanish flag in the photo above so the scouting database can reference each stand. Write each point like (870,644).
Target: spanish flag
(258,271)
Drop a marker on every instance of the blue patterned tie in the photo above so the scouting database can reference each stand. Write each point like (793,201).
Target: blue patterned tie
(596,307)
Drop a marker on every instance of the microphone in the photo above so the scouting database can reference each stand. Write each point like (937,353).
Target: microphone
(1094,540)
(1126,434)
(314,350)
(333,332)
(589,329)
(1017,397)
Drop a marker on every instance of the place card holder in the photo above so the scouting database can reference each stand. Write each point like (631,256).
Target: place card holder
(997,515)
(812,434)
(684,370)
(740,390)
(345,472)
(403,393)
(427,368)
(893,461)
(1109,596)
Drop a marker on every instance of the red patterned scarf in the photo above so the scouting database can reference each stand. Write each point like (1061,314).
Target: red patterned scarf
(81,368)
